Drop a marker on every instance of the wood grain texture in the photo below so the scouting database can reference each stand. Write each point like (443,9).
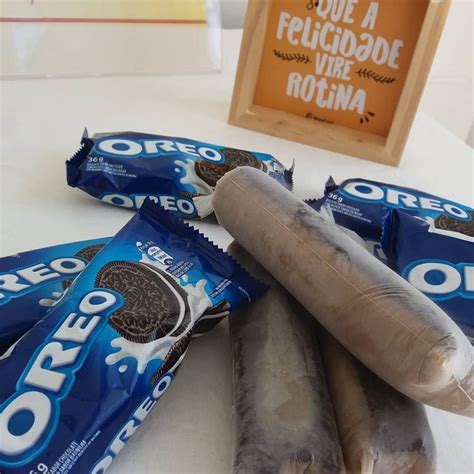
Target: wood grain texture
(243,112)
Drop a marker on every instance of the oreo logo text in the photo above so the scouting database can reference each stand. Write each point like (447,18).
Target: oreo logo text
(29,417)
(152,148)
(127,430)
(24,280)
(393,197)
(170,203)
(442,280)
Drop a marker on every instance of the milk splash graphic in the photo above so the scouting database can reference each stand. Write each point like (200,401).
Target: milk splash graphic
(143,354)
(50,302)
(202,203)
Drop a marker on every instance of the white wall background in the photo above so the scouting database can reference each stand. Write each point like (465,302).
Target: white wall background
(233,13)
(448,96)
(449,93)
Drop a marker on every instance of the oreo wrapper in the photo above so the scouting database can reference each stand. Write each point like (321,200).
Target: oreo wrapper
(360,205)
(32,282)
(181,174)
(80,382)
(439,265)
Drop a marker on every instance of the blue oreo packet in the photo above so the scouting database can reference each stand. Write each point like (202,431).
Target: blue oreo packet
(79,383)
(32,282)
(440,265)
(361,205)
(125,168)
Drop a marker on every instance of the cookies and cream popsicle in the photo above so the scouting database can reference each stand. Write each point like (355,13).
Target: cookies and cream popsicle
(390,326)
(381,430)
(283,417)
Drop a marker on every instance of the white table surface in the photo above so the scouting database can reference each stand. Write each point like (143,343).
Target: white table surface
(41,125)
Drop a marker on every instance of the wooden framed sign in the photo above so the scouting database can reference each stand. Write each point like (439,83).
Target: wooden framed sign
(344,75)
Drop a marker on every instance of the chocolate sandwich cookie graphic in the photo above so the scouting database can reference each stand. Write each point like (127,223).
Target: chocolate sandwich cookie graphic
(155,305)
(211,317)
(212,172)
(172,358)
(235,158)
(444,222)
(208,320)
(87,254)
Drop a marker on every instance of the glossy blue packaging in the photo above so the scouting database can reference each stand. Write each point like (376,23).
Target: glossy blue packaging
(440,265)
(125,168)
(77,386)
(31,282)
(361,205)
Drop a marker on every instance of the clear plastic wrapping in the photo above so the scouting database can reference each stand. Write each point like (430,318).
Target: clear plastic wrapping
(283,418)
(381,430)
(391,327)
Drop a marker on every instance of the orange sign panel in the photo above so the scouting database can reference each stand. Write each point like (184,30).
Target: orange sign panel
(342,62)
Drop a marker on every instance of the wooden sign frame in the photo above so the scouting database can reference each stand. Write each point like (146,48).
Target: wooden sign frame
(388,150)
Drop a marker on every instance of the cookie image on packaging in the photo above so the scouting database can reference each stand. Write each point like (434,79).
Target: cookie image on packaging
(87,254)
(172,358)
(235,158)
(211,317)
(210,173)
(155,305)
(444,222)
